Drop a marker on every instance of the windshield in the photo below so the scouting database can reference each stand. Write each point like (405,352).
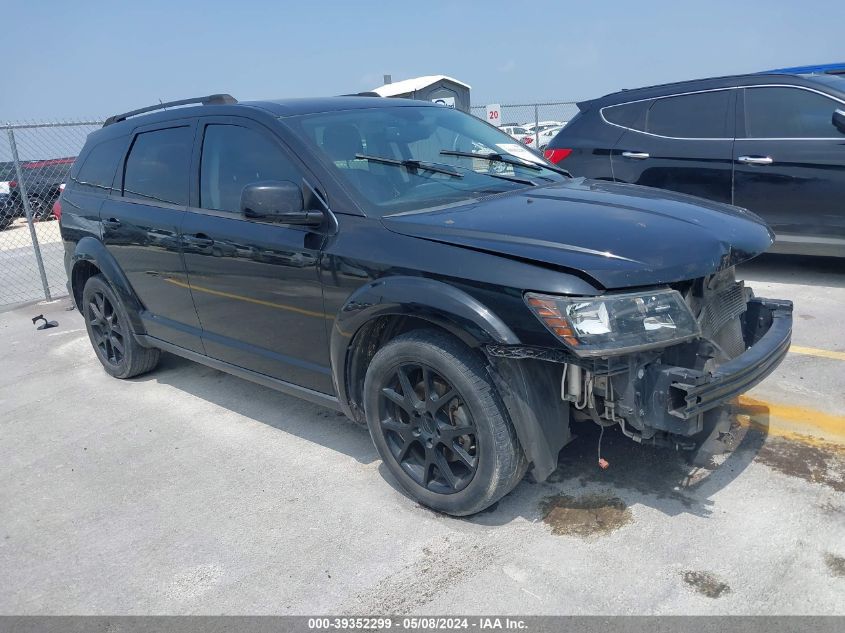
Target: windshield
(407,158)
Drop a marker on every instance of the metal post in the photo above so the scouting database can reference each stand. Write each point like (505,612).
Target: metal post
(536,125)
(28,210)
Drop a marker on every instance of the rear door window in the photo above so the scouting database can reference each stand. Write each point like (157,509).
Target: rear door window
(698,115)
(235,156)
(781,112)
(158,164)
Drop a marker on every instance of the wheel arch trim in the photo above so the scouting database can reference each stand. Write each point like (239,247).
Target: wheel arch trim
(93,251)
(436,302)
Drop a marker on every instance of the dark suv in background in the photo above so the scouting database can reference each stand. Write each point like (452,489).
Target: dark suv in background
(421,271)
(43,181)
(773,143)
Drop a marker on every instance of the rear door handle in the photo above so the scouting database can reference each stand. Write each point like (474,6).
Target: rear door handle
(200,239)
(756,160)
(111,223)
(637,155)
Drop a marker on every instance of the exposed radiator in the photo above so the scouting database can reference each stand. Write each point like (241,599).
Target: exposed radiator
(723,303)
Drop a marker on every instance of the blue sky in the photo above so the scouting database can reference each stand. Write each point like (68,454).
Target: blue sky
(89,58)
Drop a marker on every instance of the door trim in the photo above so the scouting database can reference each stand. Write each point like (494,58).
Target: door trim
(289,388)
(692,92)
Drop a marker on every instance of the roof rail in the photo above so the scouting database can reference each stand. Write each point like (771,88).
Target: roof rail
(219,99)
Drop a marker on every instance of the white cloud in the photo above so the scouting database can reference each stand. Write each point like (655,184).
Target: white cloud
(507,67)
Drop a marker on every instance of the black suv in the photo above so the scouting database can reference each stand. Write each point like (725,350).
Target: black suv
(42,181)
(773,143)
(421,271)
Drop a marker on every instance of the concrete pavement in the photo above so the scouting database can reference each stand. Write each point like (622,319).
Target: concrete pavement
(189,491)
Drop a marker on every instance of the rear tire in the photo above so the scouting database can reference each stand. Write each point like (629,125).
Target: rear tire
(438,423)
(110,332)
(40,208)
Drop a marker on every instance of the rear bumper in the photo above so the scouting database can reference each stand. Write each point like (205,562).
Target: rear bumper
(682,396)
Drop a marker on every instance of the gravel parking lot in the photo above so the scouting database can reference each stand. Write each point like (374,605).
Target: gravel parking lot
(189,491)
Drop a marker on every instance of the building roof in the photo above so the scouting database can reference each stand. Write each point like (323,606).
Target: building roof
(410,85)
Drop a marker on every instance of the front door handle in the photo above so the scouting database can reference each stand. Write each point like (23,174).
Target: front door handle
(111,223)
(637,155)
(756,160)
(199,240)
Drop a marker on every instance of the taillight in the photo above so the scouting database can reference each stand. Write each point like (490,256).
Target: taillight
(57,209)
(528,140)
(556,155)
(13,184)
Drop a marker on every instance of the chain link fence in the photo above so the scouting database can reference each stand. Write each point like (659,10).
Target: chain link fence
(35,160)
(531,116)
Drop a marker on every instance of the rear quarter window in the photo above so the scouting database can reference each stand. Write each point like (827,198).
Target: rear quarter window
(630,115)
(97,171)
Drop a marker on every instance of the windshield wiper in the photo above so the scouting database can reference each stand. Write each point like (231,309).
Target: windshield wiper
(411,164)
(522,181)
(507,158)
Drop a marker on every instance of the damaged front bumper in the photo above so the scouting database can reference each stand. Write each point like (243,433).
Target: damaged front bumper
(674,399)
(671,397)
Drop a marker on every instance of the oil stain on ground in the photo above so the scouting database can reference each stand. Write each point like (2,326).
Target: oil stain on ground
(706,584)
(835,564)
(656,472)
(587,515)
(819,463)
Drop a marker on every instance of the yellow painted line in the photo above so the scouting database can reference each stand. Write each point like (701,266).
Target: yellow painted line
(269,304)
(791,422)
(813,351)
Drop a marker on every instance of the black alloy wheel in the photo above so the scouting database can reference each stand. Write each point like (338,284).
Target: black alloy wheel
(428,428)
(107,331)
(110,331)
(438,423)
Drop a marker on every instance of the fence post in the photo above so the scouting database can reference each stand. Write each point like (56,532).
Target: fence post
(28,210)
(536,125)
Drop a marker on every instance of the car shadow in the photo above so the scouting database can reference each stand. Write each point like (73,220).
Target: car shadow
(671,482)
(665,480)
(794,269)
(287,413)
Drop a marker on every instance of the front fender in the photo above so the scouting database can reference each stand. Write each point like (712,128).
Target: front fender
(529,389)
(433,301)
(91,250)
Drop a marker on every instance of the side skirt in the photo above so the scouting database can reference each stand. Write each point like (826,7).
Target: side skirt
(323,399)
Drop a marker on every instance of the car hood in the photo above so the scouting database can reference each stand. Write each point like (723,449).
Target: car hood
(619,235)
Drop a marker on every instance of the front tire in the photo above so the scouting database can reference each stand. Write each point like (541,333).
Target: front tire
(439,425)
(111,334)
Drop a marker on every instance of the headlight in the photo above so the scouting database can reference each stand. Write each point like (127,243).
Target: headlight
(616,324)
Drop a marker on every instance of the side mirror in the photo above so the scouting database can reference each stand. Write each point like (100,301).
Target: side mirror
(277,201)
(839,120)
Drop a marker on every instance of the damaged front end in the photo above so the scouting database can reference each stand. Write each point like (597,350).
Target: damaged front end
(659,364)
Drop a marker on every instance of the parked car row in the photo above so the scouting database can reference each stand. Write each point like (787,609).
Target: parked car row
(534,135)
(771,142)
(520,133)
(43,181)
